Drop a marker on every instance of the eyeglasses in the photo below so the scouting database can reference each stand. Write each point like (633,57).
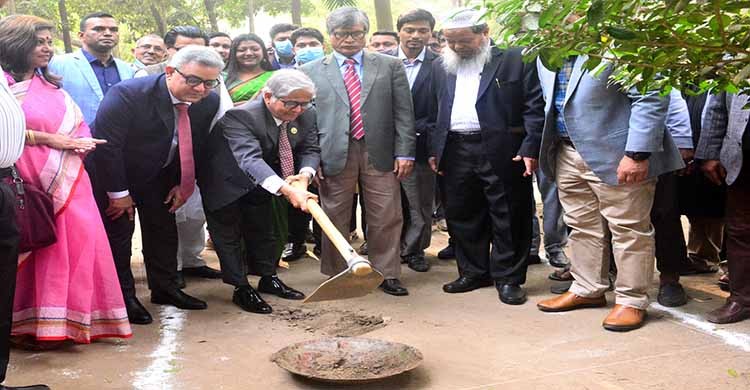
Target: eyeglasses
(354,34)
(195,81)
(291,105)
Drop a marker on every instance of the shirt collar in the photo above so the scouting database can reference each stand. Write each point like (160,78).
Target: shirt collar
(175,100)
(90,57)
(420,57)
(340,58)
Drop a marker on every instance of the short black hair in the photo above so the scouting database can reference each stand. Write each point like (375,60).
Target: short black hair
(186,31)
(99,14)
(416,15)
(306,32)
(218,34)
(387,33)
(280,28)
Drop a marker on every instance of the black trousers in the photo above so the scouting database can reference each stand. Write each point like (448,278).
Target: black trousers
(119,234)
(671,250)
(299,221)
(8,266)
(482,208)
(738,235)
(244,238)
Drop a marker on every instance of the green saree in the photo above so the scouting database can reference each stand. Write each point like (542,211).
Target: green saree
(242,91)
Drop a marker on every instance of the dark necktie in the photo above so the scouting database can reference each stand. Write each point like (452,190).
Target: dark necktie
(285,152)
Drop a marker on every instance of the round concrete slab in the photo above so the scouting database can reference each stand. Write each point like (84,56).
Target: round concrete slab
(347,359)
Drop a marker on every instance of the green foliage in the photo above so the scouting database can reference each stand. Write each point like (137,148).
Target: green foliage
(693,45)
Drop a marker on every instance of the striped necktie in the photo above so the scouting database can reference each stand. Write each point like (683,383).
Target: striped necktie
(285,152)
(354,90)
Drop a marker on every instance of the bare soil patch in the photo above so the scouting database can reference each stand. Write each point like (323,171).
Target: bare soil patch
(331,322)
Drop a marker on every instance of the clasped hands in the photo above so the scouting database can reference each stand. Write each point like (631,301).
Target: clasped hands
(295,191)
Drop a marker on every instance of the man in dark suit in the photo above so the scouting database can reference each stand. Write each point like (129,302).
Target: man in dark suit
(486,142)
(155,127)
(415,30)
(366,127)
(254,152)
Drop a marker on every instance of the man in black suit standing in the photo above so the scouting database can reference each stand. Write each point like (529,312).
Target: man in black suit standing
(488,126)
(255,151)
(155,127)
(415,30)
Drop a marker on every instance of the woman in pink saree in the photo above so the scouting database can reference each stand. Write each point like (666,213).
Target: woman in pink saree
(69,290)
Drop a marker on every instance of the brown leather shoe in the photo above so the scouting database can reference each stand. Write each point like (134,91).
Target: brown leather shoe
(569,301)
(624,318)
(729,313)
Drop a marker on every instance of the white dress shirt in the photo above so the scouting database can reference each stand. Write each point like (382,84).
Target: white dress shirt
(411,68)
(274,183)
(464,117)
(12,125)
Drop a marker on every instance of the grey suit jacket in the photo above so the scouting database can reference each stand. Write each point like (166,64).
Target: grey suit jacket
(243,151)
(603,122)
(723,127)
(387,111)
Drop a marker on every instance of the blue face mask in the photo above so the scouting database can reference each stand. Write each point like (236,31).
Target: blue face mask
(309,54)
(283,48)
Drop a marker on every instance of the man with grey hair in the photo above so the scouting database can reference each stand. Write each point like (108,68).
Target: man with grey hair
(371,144)
(485,142)
(258,150)
(148,50)
(155,129)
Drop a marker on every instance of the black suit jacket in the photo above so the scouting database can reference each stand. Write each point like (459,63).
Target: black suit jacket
(137,119)
(510,107)
(243,151)
(423,106)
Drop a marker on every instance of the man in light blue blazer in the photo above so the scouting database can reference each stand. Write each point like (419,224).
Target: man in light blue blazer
(88,73)
(605,148)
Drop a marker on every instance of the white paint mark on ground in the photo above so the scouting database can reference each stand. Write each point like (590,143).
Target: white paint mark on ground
(736,339)
(71,374)
(158,375)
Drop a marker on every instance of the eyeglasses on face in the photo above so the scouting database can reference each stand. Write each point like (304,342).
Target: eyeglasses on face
(291,104)
(195,81)
(354,34)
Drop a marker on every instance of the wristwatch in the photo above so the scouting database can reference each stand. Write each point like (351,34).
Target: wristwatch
(638,156)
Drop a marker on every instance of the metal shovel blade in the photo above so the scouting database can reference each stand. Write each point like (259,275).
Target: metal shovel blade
(346,285)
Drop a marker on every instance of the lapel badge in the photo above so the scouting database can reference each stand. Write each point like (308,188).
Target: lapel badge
(293,130)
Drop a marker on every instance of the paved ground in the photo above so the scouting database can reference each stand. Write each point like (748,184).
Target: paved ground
(469,341)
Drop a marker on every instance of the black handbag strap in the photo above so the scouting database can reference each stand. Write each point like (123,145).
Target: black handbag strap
(18,183)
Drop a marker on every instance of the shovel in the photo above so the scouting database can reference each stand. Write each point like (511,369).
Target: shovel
(358,280)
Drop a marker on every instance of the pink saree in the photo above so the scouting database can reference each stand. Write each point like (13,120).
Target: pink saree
(69,290)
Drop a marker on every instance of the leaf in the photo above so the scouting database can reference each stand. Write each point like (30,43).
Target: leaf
(733,373)
(681,6)
(620,33)
(595,14)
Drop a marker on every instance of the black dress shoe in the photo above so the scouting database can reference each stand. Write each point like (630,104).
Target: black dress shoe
(511,294)
(464,284)
(560,288)
(137,314)
(730,313)
(558,260)
(417,263)
(533,259)
(316,250)
(447,253)
(273,285)
(293,252)
(672,295)
(249,300)
(363,250)
(178,299)
(180,281)
(32,387)
(205,272)
(393,287)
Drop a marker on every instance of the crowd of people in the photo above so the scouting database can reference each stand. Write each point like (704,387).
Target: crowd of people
(208,129)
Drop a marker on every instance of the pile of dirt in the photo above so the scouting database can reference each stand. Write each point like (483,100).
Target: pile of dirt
(337,323)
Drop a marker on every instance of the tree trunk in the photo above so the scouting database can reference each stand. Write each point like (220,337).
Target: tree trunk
(297,12)
(161,24)
(65,26)
(211,12)
(11,7)
(251,16)
(383,15)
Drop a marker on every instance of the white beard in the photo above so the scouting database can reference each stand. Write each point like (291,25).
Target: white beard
(452,62)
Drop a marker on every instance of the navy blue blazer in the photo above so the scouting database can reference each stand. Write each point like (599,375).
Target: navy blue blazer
(509,104)
(423,106)
(137,119)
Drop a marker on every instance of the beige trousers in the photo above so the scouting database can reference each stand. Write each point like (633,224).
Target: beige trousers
(382,196)
(594,210)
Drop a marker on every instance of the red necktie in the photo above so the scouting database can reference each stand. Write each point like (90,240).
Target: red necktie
(185,143)
(285,152)
(354,90)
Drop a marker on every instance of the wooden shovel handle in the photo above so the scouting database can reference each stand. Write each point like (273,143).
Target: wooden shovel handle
(353,260)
